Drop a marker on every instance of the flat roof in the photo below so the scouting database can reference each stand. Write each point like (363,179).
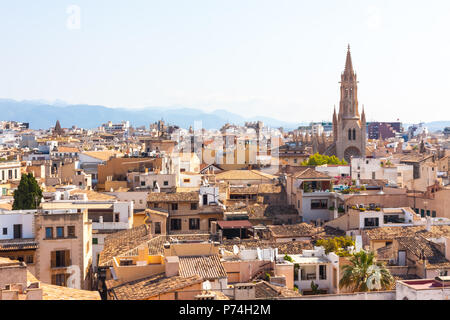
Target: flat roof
(424,284)
(309,260)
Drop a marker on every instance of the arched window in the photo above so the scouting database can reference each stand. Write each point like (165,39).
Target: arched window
(349,134)
(354,134)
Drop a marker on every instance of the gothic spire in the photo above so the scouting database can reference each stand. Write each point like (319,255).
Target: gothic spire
(348,62)
(363,115)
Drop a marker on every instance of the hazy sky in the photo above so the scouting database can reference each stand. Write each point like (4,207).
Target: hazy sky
(281,59)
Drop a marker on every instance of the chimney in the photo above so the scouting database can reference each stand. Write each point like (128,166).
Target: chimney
(172,265)
(447,248)
(244,291)
(428,226)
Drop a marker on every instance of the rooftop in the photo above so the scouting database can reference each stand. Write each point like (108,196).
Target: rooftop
(295,230)
(423,248)
(18,244)
(152,286)
(388,233)
(310,173)
(265,290)
(244,175)
(208,267)
(192,196)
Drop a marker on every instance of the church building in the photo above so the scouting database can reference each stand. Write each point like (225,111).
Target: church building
(349,127)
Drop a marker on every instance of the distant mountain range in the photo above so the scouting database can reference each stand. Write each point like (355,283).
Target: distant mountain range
(43,115)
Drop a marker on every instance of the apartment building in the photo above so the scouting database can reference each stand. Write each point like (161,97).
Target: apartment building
(17,236)
(185,213)
(10,171)
(400,175)
(309,191)
(64,254)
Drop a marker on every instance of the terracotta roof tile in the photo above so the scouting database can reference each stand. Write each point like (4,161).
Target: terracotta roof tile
(244,175)
(173,197)
(121,242)
(152,286)
(310,173)
(208,267)
(423,248)
(389,233)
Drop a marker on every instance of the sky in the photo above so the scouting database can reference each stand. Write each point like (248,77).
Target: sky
(280,59)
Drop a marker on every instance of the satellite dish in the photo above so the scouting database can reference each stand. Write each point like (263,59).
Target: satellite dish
(235,249)
(206,285)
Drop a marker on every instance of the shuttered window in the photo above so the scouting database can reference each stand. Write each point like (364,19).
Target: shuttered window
(71,231)
(60,259)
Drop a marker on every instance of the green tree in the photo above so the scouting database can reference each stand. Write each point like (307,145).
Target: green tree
(28,195)
(364,273)
(318,159)
(337,245)
(315,288)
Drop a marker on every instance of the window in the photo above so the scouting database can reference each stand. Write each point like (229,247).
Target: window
(298,204)
(354,134)
(296,271)
(5,231)
(295,160)
(10,174)
(428,213)
(205,199)
(322,272)
(49,233)
(143,183)
(175,224)
(60,232)
(59,279)
(319,204)
(29,259)
(60,258)
(194,206)
(433,214)
(371,222)
(17,231)
(71,231)
(94,240)
(166,183)
(174,206)
(157,227)
(194,224)
(156,205)
(349,134)
(373,175)
(422,212)
(186,180)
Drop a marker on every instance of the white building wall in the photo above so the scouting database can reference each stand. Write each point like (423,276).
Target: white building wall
(10,218)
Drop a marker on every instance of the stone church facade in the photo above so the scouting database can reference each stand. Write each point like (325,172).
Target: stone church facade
(349,126)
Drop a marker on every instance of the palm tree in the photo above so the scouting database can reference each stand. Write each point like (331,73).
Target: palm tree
(364,273)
